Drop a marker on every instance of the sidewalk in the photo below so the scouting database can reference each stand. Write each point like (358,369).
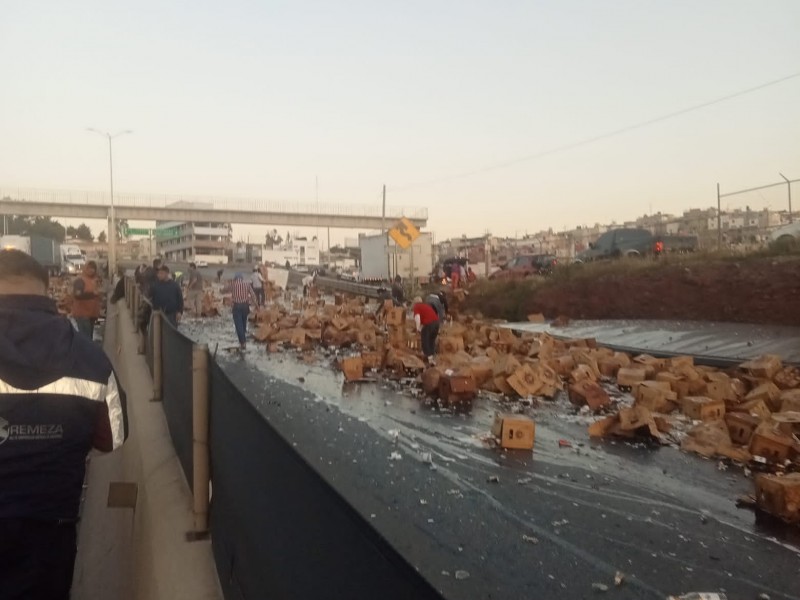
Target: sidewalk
(709,342)
(141,553)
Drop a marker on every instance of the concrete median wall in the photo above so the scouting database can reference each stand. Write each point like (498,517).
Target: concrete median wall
(142,552)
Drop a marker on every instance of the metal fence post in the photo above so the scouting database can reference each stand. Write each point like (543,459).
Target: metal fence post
(158,364)
(200,458)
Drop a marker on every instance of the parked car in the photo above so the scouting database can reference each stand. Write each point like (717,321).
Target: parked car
(618,243)
(787,234)
(526,265)
(202,264)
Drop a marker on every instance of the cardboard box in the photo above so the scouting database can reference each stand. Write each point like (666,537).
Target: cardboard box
(763,367)
(353,368)
(790,401)
(455,388)
(755,407)
(779,496)
(707,439)
(450,344)
(590,393)
(525,381)
(536,318)
(741,427)
(396,317)
(430,380)
(771,444)
(701,408)
(628,377)
(515,432)
(368,338)
(396,337)
(769,393)
(373,359)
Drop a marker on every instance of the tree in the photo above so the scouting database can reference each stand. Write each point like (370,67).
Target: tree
(84,233)
(102,237)
(43,226)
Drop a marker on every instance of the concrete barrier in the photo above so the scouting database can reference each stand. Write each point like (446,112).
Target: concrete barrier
(142,552)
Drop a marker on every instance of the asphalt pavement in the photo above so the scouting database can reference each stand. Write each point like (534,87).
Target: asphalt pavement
(560,522)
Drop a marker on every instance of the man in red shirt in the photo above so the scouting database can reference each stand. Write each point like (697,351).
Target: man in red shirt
(427,321)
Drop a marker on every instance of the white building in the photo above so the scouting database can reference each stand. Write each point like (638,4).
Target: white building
(296,251)
(381,258)
(179,241)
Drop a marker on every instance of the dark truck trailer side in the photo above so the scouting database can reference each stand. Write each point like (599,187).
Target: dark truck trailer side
(47,252)
(617,243)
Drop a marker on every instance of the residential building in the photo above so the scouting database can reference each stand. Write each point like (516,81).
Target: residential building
(178,241)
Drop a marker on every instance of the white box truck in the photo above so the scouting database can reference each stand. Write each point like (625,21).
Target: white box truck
(72,259)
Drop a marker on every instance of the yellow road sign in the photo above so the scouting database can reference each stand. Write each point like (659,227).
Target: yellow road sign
(404,233)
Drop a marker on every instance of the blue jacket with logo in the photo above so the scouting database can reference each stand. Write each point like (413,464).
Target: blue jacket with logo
(59,398)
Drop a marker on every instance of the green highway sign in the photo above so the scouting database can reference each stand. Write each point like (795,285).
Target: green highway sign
(157,232)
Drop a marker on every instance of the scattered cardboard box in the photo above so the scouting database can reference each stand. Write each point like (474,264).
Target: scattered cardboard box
(515,432)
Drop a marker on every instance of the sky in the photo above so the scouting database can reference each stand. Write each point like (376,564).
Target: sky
(477,110)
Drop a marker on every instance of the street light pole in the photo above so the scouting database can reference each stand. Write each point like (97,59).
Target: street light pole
(789,188)
(112,227)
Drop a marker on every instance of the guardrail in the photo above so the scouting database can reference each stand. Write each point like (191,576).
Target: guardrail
(278,528)
(350,287)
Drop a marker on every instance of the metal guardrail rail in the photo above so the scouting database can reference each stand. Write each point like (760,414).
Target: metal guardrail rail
(350,287)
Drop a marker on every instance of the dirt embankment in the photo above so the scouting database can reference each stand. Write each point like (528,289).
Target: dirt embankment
(751,290)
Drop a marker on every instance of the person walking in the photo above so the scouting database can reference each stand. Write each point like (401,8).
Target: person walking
(194,290)
(167,296)
(439,302)
(241,296)
(149,277)
(219,275)
(398,294)
(59,398)
(257,281)
(86,299)
(427,322)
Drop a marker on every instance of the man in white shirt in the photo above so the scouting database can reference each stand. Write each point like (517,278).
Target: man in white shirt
(257,283)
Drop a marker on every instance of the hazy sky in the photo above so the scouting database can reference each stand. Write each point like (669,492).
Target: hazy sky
(256,99)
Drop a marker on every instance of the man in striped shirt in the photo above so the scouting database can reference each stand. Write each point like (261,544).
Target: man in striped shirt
(242,296)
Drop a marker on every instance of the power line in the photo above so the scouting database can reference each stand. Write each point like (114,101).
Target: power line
(596,138)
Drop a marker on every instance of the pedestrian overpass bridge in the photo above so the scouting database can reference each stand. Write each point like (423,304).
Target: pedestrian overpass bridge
(159,207)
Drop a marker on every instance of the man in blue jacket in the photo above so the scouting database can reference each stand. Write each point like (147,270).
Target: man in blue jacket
(167,296)
(59,398)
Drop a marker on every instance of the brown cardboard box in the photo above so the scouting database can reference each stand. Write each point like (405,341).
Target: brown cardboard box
(656,399)
(515,432)
(536,318)
(741,427)
(787,378)
(590,393)
(763,367)
(720,390)
(456,388)
(755,407)
(525,381)
(367,338)
(769,393)
(353,368)
(582,372)
(701,408)
(707,439)
(373,359)
(790,401)
(772,444)
(628,376)
(396,337)
(563,365)
(430,380)
(396,317)
(779,495)
(450,344)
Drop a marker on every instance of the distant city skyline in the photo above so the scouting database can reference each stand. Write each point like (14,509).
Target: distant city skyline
(507,118)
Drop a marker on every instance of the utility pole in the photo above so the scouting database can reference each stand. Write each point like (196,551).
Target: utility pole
(789,191)
(719,220)
(112,227)
(386,236)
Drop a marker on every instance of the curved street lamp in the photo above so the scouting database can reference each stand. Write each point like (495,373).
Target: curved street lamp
(112,229)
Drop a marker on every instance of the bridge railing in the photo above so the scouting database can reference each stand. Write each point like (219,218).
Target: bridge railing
(211,203)
(278,528)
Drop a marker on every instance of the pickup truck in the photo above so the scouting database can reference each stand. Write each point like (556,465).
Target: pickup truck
(618,243)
